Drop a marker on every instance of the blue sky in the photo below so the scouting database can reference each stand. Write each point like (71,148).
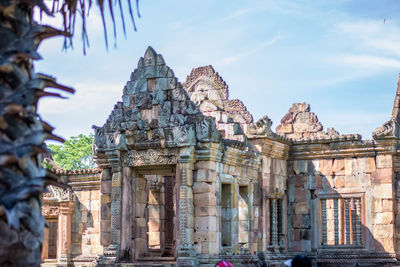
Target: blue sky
(342,57)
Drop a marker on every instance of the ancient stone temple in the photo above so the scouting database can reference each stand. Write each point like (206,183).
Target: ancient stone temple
(186,177)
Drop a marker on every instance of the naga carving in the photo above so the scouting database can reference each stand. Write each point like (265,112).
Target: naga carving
(261,128)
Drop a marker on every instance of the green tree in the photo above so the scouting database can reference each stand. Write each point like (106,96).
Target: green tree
(75,153)
(22,130)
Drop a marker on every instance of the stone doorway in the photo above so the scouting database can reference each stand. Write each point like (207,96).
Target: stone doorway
(154,214)
(160,215)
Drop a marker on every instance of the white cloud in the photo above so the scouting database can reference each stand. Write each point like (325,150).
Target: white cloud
(367,61)
(248,52)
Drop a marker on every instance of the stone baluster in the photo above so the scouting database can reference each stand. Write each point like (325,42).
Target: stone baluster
(279,222)
(353,220)
(358,221)
(336,219)
(347,215)
(274,226)
(324,223)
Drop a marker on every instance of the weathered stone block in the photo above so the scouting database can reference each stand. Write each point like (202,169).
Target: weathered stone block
(211,165)
(387,205)
(140,210)
(105,211)
(300,166)
(383,175)
(209,248)
(366,165)
(203,187)
(205,223)
(266,165)
(105,226)
(301,208)
(141,197)
(204,175)
(338,167)
(205,236)
(350,166)
(284,128)
(382,191)
(154,211)
(205,199)
(383,218)
(279,167)
(328,182)
(384,161)
(105,187)
(105,239)
(326,166)
(105,175)
(300,194)
(205,211)
(154,238)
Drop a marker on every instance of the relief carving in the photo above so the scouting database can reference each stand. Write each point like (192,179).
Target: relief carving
(50,211)
(151,157)
(59,194)
(261,128)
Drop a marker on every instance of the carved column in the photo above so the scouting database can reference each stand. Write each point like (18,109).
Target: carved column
(186,253)
(116,182)
(110,204)
(64,233)
(347,215)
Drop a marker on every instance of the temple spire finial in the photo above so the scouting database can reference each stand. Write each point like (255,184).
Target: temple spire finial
(396,104)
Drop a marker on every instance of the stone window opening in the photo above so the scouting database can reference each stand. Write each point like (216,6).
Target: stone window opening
(244,217)
(226,216)
(341,220)
(276,222)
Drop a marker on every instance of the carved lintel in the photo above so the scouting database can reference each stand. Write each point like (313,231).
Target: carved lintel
(50,211)
(58,194)
(151,157)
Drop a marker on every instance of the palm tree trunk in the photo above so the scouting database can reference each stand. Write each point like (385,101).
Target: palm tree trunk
(22,133)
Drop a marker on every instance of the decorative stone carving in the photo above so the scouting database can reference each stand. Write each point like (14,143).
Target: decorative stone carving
(261,128)
(59,194)
(388,129)
(50,211)
(206,76)
(300,124)
(391,128)
(151,157)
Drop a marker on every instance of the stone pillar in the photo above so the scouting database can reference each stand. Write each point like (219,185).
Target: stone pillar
(111,181)
(64,233)
(186,253)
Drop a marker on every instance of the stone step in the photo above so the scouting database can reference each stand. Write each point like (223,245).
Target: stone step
(149,264)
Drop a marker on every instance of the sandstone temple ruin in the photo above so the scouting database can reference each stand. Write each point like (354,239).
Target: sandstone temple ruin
(186,177)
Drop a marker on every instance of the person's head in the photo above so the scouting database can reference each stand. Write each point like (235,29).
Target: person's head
(299,261)
(224,264)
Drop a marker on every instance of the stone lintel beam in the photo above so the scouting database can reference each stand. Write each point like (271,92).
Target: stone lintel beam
(342,149)
(272,148)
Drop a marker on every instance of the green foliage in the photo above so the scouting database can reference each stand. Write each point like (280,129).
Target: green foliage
(75,153)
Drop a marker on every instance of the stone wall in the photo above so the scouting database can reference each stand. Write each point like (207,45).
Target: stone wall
(76,211)
(188,178)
